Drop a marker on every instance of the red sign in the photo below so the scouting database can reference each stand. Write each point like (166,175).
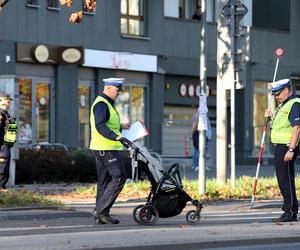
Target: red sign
(279,52)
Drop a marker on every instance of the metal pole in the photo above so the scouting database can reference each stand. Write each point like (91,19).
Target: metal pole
(232,98)
(202,132)
(221,129)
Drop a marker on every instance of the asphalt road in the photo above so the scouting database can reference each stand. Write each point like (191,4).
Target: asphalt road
(223,225)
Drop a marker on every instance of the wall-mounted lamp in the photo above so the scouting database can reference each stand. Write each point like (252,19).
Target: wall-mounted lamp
(7,58)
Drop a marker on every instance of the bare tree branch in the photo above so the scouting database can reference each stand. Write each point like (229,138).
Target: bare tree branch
(2,3)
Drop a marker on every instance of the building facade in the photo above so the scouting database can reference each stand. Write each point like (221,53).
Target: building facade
(54,68)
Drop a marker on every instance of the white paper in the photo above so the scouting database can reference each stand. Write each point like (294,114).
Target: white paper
(136,131)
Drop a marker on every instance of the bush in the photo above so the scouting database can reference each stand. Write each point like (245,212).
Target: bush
(46,166)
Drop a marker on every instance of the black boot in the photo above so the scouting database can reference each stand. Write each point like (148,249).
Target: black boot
(286,217)
(104,218)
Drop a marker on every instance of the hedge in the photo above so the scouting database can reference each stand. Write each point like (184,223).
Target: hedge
(50,166)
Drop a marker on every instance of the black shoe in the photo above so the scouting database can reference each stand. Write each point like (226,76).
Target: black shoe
(105,218)
(286,217)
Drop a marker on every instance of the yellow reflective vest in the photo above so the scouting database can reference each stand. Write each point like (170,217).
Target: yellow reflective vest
(281,129)
(98,141)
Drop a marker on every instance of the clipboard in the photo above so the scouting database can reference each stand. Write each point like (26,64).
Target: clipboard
(137,130)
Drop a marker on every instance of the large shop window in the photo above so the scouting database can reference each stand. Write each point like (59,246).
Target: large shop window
(259,106)
(84,103)
(131,104)
(133,17)
(34,111)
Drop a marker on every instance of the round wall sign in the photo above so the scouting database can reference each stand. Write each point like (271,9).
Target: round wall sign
(197,91)
(71,55)
(41,53)
(182,89)
(191,90)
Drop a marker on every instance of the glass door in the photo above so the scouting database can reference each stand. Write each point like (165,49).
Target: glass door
(42,111)
(35,110)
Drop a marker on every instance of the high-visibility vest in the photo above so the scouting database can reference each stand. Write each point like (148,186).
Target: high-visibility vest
(281,129)
(98,141)
(11,128)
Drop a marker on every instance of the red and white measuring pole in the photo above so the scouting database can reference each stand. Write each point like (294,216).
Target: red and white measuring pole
(279,53)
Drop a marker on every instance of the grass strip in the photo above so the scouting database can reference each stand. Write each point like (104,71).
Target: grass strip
(267,188)
(25,198)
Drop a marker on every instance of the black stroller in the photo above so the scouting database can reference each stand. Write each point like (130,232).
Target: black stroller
(167,197)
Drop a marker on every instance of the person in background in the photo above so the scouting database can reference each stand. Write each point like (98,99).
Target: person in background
(8,136)
(197,15)
(106,144)
(285,134)
(195,137)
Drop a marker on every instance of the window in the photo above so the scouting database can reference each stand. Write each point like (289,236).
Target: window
(186,9)
(84,103)
(25,115)
(181,8)
(272,14)
(131,104)
(259,107)
(33,2)
(34,113)
(53,3)
(132,17)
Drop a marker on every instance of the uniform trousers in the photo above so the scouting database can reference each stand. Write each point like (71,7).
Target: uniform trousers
(4,165)
(285,173)
(111,179)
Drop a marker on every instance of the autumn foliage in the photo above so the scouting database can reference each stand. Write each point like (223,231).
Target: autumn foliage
(76,17)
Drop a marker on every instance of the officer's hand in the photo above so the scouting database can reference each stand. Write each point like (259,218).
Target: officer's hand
(268,113)
(288,156)
(124,141)
(125,126)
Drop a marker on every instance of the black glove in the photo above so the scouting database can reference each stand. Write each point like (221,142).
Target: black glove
(125,142)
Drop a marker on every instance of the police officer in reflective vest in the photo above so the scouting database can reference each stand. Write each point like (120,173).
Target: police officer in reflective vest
(106,142)
(8,136)
(285,133)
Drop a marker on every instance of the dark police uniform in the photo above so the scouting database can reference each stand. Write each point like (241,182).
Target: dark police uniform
(285,171)
(4,149)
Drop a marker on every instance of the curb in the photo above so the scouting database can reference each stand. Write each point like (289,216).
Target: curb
(44,216)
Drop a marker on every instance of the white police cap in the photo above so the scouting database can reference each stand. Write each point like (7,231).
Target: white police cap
(118,82)
(279,85)
(4,96)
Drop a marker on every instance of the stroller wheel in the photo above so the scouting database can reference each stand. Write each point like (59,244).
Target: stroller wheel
(192,216)
(136,214)
(148,215)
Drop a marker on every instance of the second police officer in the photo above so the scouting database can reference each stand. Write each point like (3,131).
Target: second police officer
(285,133)
(8,136)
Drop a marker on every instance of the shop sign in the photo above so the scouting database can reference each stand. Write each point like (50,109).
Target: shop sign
(182,89)
(120,60)
(191,90)
(197,92)
(71,55)
(49,54)
(41,53)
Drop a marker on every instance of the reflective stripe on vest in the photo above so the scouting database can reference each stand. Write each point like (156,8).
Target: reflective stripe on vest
(99,142)
(281,129)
